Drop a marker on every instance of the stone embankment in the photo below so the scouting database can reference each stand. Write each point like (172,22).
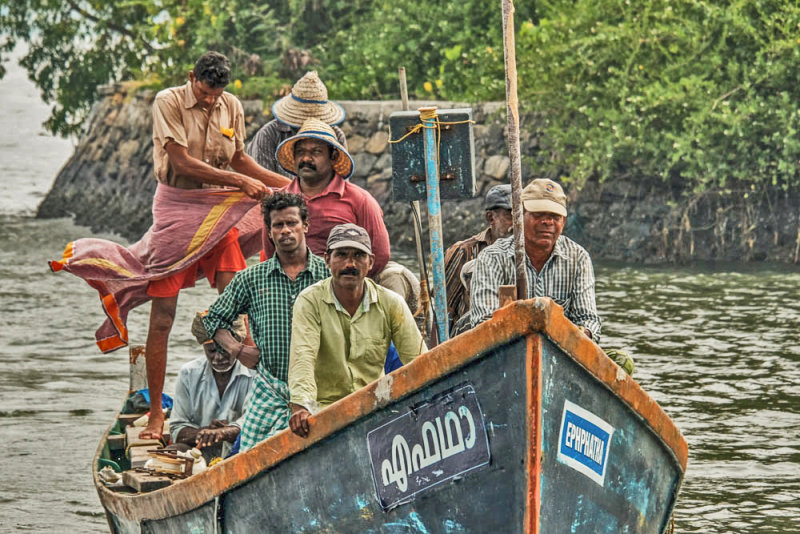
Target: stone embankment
(108,185)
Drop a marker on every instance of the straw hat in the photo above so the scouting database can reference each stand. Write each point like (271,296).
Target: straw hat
(309,98)
(315,129)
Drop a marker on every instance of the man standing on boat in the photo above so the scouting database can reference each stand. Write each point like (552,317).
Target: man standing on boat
(205,218)
(342,328)
(266,292)
(198,132)
(557,267)
(210,395)
(308,99)
(497,205)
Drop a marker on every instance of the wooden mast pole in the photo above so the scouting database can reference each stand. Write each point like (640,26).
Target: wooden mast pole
(512,110)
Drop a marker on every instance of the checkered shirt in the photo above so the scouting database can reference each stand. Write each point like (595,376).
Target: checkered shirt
(266,294)
(567,277)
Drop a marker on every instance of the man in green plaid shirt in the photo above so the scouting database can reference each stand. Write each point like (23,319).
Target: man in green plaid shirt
(266,292)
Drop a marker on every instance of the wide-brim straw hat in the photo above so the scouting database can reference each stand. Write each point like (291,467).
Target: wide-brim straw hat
(308,98)
(315,129)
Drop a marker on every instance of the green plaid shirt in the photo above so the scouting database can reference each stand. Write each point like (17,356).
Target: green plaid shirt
(266,294)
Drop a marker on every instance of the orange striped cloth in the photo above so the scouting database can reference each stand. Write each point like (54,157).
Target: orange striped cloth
(187,223)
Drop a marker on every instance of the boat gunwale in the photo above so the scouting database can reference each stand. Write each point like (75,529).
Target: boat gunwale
(519,319)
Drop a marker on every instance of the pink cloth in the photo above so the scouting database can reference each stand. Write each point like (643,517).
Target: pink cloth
(187,224)
(341,202)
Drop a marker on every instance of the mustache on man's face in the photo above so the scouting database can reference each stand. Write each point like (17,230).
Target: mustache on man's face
(350,270)
(304,164)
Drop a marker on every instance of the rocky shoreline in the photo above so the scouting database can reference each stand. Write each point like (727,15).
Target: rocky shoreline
(108,185)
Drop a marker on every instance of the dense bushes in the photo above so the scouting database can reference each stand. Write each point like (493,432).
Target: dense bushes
(702,94)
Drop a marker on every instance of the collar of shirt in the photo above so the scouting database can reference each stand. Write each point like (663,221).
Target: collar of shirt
(285,128)
(273,263)
(336,186)
(370,296)
(483,236)
(189,100)
(238,370)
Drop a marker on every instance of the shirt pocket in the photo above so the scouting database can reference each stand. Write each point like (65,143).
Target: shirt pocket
(563,299)
(224,147)
(369,350)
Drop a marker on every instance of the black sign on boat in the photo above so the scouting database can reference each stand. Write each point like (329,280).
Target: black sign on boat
(433,442)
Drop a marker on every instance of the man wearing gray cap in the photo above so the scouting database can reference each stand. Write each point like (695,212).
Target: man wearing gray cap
(342,328)
(557,267)
(498,214)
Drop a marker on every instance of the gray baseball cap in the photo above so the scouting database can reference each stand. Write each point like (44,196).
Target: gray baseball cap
(498,196)
(349,235)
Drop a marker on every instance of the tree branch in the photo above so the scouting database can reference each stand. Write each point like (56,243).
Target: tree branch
(116,27)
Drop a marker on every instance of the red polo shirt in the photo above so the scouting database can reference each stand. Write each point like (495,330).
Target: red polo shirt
(341,202)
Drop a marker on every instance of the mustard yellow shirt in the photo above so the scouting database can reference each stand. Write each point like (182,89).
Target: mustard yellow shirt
(333,354)
(178,117)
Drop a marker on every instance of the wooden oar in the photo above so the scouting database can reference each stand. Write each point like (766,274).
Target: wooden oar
(512,110)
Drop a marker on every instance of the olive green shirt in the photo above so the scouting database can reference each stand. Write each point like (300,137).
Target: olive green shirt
(333,354)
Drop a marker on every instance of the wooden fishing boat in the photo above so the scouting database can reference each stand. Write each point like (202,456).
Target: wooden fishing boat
(520,425)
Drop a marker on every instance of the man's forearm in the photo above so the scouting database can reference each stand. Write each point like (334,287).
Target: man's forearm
(246,165)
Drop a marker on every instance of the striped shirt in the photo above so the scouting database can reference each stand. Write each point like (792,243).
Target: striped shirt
(567,277)
(454,259)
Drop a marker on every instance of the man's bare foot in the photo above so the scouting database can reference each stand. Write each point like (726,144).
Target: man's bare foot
(154,427)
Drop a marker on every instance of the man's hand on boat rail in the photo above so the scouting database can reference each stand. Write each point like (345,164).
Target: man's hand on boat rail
(299,420)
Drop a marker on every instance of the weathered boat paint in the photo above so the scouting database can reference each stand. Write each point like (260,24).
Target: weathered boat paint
(524,365)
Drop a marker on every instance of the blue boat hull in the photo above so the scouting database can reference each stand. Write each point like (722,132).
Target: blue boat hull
(513,427)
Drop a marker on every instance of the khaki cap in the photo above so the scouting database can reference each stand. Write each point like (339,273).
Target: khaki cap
(544,195)
(349,235)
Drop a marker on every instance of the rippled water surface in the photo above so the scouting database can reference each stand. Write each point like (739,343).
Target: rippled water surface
(717,346)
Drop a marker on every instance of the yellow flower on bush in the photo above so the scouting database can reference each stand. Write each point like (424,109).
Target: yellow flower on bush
(180,21)
(428,86)
(181,42)
(439,84)
(237,84)
(227,132)
(490,50)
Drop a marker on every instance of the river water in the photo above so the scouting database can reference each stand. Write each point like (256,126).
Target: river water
(716,345)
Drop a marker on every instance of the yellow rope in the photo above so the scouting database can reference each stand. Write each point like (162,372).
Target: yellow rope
(428,114)
(421,125)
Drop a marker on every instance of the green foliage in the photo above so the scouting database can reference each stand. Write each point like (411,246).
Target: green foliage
(76,45)
(451,50)
(703,94)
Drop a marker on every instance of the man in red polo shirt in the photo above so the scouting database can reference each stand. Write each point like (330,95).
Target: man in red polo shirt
(322,166)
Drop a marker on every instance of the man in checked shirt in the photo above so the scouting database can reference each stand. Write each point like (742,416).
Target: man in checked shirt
(557,267)
(266,292)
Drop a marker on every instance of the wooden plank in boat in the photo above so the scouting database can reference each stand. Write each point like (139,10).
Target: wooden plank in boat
(144,482)
(127,419)
(116,442)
